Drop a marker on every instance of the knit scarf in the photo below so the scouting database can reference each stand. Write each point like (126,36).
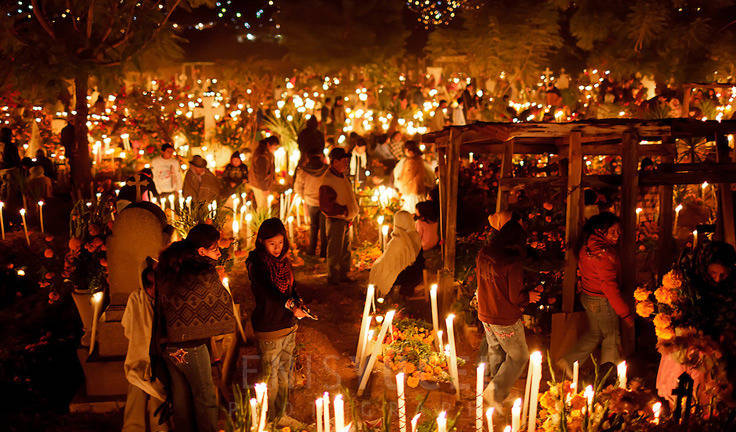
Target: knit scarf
(279,270)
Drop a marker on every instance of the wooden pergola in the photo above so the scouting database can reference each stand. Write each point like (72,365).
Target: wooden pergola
(631,139)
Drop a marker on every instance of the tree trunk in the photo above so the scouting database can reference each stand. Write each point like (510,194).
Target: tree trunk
(79,160)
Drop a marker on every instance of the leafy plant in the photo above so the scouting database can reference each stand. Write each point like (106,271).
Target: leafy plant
(201,212)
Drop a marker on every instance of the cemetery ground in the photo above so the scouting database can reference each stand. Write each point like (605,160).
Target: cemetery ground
(40,373)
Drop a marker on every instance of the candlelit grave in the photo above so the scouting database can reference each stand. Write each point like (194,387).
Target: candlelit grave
(138,233)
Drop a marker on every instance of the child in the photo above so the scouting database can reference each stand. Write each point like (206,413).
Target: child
(427,227)
(145,394)
(278,306)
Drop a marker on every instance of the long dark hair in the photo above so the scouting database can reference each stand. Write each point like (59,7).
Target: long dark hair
(600,222)
(506,244)
(271,228)
(181,260)
(265,142)
(426,211)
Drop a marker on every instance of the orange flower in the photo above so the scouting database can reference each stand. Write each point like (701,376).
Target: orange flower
(641,294)
(664,295)
(645,309)
(664,333)
(672,280)
(662,321)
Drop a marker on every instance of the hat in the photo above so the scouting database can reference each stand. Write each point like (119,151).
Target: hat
(198,161)
(36,171)
(338,153)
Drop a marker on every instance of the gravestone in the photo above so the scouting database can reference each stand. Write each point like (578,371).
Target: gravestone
(139,231)
(212,111)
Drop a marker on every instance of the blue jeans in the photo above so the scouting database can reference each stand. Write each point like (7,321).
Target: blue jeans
(603,329)
(192,388)
(507,356)
(338,249)
(277,359)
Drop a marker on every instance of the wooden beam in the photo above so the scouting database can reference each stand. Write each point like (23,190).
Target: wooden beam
(629,198)
(573,218)
(507,171)
(725,221)
(665,250)
(691,177)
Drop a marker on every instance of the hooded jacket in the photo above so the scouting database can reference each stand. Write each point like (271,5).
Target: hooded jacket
(500,277)
(401,252)
(600,271)
(307,183)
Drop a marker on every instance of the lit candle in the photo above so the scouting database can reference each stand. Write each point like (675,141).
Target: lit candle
(248,219)
(470,157)
(695,238)
(621,369)
(657,410)
(479,397)
(318,406)
(677,214)
(489,419)
(339,413)
(453,353)
(171,203)
(236,229)
(269,202)
(588,394)
(516,416)
(379,220)
(401,401)
(181,202)
(638,215)
(2,222)
(435,319)
(507,429)
(535,362)
(97,302)
(364,326)
(575,371)
(384,233)
(290,222)
(253,413)
(40,214)
(439,339)
(527,392)
(442,422)
(326,407)
(189,203)
(377,346)
(415,422)
(263,393)
(25,226)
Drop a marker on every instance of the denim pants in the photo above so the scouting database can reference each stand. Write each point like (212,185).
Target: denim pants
(507,356)
(603,329)
(192,388)
(317,231)
(140,409)
(338,248)
(277,359)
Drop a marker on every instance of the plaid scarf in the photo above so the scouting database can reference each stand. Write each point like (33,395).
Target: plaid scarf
(279,270)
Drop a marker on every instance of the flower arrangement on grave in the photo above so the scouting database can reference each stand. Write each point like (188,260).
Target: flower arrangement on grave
(365,255)
(411,348)
(694,331)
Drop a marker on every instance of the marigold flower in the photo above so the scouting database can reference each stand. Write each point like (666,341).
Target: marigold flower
(662,321)
(672,280)
(645,309)
(664,333)
(665,295)
(641,294)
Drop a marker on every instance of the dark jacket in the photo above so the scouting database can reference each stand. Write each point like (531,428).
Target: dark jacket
(270,313)
(311,142)
(233,177)
(199,306)
(264,170)
(500,278)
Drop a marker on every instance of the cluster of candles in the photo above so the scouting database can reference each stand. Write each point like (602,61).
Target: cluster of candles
(322,407)
(23,219)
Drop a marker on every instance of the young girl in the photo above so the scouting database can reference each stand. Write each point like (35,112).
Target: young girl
(600,291)
(235,175)
(427,227)
(278,306)
(194,306)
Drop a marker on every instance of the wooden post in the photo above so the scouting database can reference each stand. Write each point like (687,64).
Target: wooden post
(629,197)
(453,157)
(442,164)
(725,221)
(573,219)
(507,171)
(685,108)
(665,250)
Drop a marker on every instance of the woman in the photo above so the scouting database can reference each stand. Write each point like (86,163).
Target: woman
(235,175)
(307,181)
(402,262)
(278,306)
(411,176)
(194,306)
(501,298)
(264,170)
(599,267)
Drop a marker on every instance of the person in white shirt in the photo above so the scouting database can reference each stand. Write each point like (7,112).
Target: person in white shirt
(166,171)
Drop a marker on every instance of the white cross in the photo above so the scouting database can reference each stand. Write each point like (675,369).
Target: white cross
(211,111)
(137,182)
(547,74)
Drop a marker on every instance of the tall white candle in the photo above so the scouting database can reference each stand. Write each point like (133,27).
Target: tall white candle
(384,236)
(507,429)
(439,339)
(319,413)
(248,232)
(516,416)
(290,222)
(401,401)
(657,410)
(339,413)
(97,303)
(621,369)
(326,408)
(442,422)
(2,222)
(387,321)
(489,419)
(677,215)
(253,414)
(262,398)
(527,392)
(25,226)
(415,422)
(535,362)
(638,215)
(435,314)
(171,203)
(364,324)
(588,394)
(40,214)
(481,374)
(575,372)
(453,353)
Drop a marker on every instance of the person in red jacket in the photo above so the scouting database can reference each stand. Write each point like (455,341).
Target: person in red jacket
(500,302)
(599,267)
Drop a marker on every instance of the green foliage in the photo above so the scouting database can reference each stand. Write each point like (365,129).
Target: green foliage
(237,418)
(97,212)
(286,125)
(201,212)
(329,35)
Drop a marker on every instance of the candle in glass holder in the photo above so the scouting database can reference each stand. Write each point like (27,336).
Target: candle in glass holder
(25,226)
(40,214)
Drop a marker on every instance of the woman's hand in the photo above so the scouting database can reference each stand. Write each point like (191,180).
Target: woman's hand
(299,313)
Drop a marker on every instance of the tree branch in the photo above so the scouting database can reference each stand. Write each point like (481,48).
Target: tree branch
(42,19)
